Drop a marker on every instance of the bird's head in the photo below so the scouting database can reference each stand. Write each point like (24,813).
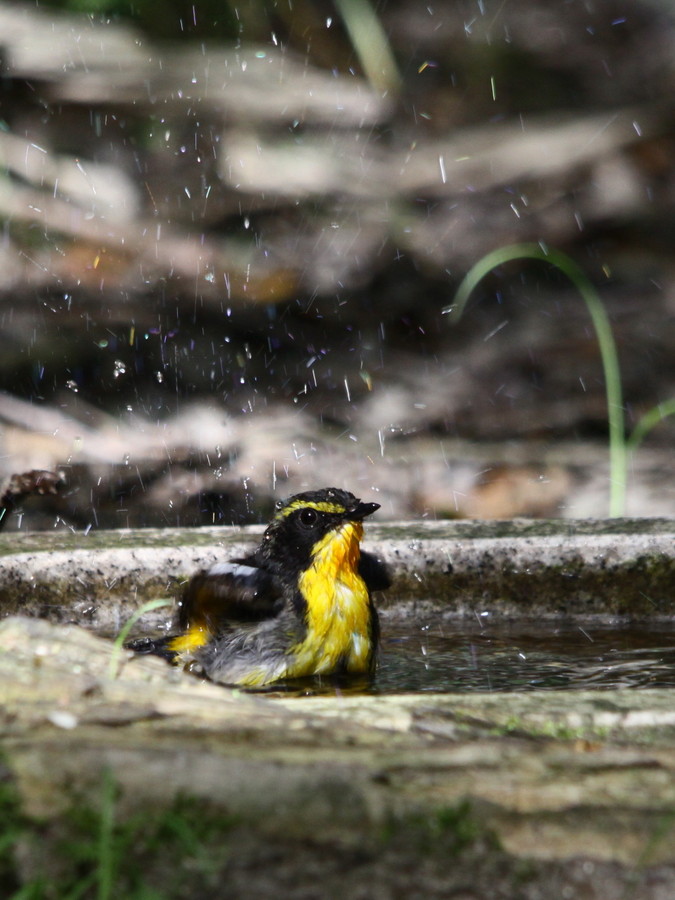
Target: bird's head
(305,522)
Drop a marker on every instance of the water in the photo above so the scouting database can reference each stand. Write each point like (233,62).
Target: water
(463,657)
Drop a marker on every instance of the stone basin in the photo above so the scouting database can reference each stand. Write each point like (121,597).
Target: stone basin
(565,794)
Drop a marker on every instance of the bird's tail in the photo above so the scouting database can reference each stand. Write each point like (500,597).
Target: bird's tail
(155,646)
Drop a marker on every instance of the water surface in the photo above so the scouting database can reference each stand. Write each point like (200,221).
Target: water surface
(465,657)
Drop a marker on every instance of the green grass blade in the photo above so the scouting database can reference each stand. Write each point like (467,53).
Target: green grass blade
(371,44)
(113,662)
(106,856)
(618,458)
(648,421)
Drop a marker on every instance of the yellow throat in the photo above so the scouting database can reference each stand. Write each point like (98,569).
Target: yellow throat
(338,611)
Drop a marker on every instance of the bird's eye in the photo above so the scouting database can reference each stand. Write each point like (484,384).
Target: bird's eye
(308,518)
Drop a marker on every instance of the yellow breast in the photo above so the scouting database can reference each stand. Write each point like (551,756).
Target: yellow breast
(338,612)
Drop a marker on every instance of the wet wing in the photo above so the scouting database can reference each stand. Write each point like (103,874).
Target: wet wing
(233,592)
(215,600)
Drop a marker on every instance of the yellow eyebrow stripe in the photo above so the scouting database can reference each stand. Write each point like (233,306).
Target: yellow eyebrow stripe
(321,506)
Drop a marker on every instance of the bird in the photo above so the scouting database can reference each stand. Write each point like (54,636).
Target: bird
(299,605)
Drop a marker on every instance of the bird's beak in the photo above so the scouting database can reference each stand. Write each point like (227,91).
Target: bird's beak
(361,511)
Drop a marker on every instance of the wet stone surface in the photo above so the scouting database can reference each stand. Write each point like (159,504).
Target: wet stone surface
(574,788)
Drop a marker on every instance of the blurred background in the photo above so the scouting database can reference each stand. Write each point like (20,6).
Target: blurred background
(230,232)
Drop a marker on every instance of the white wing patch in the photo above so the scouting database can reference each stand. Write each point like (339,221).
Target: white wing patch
(236,570)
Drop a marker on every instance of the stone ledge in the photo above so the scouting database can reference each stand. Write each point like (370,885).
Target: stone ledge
(575,786)
(548,776)
(551,569)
